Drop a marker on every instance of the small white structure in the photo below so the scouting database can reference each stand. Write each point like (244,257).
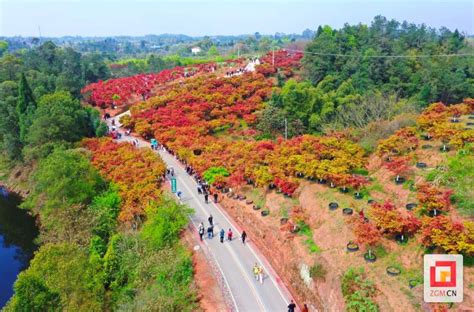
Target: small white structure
(195,50)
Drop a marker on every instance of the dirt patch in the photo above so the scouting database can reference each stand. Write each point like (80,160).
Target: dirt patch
(211,297)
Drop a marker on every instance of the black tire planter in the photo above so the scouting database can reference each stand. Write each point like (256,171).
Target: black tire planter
(455,120)
(283,221)
(358,195)
(470,123)
(393,271)
(333,206)
(412,283)
(399,180)
(371,201)
(242,197)
(250,182)
(332,185)
(426,146)
(344,190)
(264,213)
(444,148)
(411,206)
(471,117)
(311,178)
(237,197)
(197,152)
(401,238)
(434,213)
(299,175)
(321,181)
(370,259)
(426,137)
(421,165)
(347,211)
(225,190)
(249,202)
(388,159)
(271,186)
(352,247)
(256,207)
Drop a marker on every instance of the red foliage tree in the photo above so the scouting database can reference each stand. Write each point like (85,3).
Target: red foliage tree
(366,234)
(449,235)
(434,198)
(137,172)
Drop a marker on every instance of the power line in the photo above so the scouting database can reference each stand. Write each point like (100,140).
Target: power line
(383,56)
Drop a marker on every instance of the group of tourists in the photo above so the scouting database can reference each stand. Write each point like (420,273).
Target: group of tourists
(203,188)
(236,72)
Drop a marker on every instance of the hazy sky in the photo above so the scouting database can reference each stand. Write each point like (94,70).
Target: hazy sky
(218,17)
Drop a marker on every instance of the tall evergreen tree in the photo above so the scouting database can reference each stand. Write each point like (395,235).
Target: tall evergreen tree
(26,106)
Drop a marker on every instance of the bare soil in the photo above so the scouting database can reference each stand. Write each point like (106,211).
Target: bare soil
(211,297)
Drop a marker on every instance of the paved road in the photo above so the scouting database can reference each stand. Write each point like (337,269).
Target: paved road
(234,259)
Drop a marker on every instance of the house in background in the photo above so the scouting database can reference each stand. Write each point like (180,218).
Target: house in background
(195,50)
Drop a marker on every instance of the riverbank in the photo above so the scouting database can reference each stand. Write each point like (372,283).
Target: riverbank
(18,232)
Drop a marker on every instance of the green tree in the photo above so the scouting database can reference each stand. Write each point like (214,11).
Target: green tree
(3,47)
(64,270)
(31,294)
(26,106)
(59,118)
(213,52)
(62,179)
(165,220)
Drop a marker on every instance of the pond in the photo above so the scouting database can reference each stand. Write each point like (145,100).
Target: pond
(17,234)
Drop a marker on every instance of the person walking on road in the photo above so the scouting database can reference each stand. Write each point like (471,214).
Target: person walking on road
(229,235)
(291,306)
(210,219)
(305,308)
(206,198)
(215,197)
(201,230)
(179,194)
(210,232)
(244,237)
(260,274)
(255,271)
(222,234)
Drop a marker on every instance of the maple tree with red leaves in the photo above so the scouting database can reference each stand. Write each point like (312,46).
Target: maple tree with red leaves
(387,218)
(434,198)
(449,235)
(137,172)
(366,233)
(398,166)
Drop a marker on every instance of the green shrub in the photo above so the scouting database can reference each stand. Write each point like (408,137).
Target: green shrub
(358,291)
(213,173)
(317,272)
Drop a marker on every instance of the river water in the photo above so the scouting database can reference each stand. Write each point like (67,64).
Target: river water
(17,233)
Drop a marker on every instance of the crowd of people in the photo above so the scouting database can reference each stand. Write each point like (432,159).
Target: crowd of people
(203,189)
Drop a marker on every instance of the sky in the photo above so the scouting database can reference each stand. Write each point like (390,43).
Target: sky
(218,17)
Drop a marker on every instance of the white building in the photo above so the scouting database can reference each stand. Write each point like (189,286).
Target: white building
(195,50)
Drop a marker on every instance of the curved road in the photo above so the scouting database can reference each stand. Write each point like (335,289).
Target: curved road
(234,259)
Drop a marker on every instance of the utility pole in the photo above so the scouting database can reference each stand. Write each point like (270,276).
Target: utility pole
(286,129)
